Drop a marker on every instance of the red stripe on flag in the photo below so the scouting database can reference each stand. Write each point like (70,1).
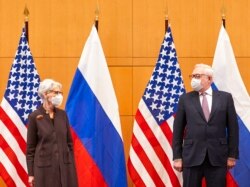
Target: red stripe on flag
(157,147)
(146,162)
(13,130)
(6,177)
(230,180)
(13,159)
(167,132)
(88,172)
(134,175)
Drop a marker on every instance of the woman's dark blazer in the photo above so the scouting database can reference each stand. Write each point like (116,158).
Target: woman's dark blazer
(50,157)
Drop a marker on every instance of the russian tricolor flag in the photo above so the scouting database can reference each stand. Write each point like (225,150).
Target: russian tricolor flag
(227,78)
(94,117)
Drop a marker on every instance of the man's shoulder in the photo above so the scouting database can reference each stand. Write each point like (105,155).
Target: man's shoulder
(190,94)
(219,92)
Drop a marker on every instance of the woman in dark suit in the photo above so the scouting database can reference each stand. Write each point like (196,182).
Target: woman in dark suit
(50,158)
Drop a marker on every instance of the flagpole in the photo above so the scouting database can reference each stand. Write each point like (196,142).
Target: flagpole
(224,20)
(97,15)
(166,23)
(26,21)
(223,14)
(166,17)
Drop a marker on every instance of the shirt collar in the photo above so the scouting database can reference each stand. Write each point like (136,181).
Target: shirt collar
(209,92)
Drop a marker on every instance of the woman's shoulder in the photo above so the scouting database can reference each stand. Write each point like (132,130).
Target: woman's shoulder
(37,112)
(60,111)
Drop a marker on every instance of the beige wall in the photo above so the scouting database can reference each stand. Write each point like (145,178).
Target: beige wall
(131,32)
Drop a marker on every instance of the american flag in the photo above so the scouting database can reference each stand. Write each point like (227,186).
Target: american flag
(19,100)
(150,156)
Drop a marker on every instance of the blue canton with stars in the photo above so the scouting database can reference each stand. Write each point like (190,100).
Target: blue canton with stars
(22,86)
(166,84)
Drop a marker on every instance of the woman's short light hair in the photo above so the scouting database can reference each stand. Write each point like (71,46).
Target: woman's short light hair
(48,85)
(208,70)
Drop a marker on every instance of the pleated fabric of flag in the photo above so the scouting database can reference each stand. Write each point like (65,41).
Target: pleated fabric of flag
(20,99)
(227,78)
(94,117)
(150,157)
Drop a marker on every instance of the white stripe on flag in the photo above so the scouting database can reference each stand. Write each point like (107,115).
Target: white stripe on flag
(14,118)
(139,167)
(10,169)
(170,122)
(12,142)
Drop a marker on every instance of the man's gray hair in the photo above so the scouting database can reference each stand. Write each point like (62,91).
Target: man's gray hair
(208,70)
(48,85)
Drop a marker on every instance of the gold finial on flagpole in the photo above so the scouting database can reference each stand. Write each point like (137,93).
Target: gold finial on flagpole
(223,14)
(97,15)
(26,13)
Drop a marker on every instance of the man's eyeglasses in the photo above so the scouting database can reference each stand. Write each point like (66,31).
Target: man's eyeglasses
(197,76)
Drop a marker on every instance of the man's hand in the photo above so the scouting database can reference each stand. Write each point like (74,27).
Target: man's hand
(31,181)
(178,165)
(231,163)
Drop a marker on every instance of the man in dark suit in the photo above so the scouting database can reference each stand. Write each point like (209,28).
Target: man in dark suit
(205,132)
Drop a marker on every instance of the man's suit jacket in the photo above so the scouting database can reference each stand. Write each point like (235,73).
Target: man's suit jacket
(194,137)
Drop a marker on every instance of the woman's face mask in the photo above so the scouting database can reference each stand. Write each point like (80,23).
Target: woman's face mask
(57,100)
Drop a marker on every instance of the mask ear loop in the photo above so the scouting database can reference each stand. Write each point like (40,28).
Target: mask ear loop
(46,97)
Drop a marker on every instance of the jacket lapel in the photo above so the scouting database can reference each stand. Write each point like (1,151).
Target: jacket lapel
(215,103)
(46,117)
(197,104)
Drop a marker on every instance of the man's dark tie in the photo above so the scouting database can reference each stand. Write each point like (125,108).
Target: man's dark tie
(204,106)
